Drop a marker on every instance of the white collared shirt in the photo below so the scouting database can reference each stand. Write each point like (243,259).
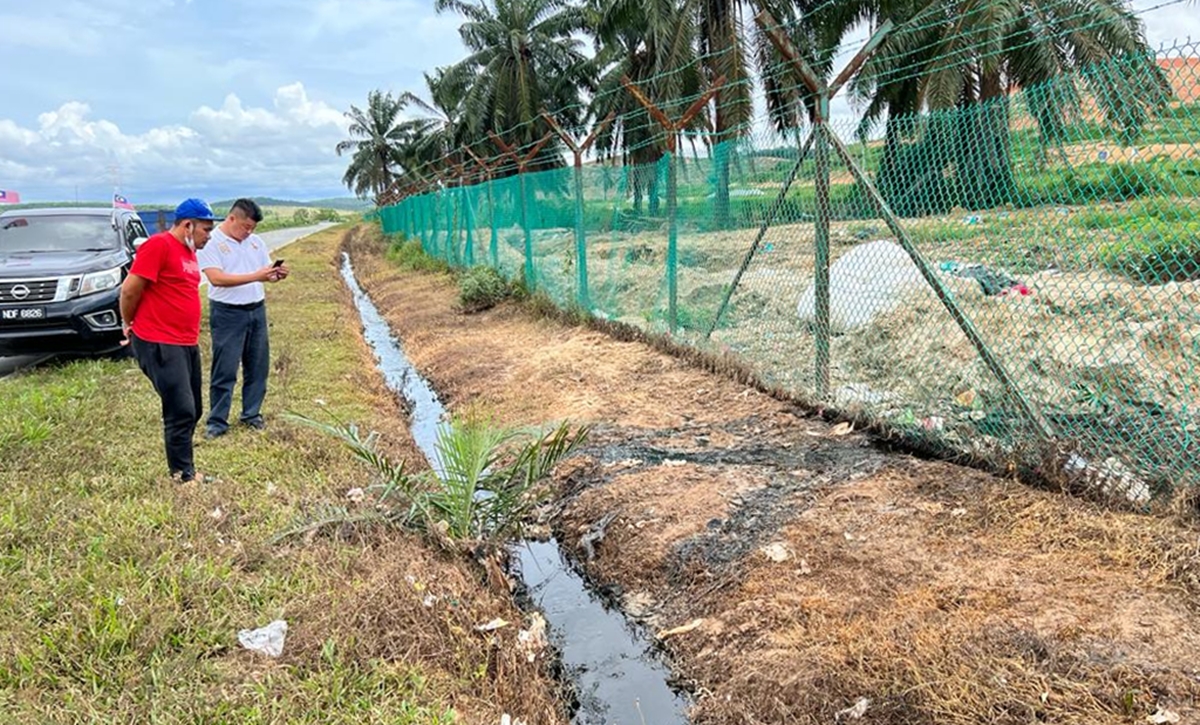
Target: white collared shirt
(234,257)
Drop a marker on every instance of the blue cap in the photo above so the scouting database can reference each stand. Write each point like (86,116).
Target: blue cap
(194,209)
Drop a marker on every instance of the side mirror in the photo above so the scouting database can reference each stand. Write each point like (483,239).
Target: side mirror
(139,242)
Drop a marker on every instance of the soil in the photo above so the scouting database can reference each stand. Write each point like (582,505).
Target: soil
(824,568)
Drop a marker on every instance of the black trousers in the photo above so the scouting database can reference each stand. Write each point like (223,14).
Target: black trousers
(174,370)
(239,337)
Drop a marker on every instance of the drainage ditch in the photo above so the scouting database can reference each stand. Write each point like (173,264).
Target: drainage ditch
(609,664)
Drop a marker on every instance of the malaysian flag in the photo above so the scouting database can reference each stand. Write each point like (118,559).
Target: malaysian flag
(9,197)
(120,202)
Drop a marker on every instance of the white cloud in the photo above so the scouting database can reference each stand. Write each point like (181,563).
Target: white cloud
(232,149)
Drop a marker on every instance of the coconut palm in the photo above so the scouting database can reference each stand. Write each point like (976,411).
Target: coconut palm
(442,134)
(733,47)
(718,43)
(378,139)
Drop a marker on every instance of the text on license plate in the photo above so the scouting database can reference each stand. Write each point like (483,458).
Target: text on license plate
(23,313)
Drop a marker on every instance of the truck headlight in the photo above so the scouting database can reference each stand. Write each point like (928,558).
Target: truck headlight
(100,281)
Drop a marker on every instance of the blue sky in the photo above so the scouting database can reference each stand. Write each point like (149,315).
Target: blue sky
(217,98)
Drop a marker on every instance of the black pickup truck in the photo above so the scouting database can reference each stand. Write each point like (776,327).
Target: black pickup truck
(60,278)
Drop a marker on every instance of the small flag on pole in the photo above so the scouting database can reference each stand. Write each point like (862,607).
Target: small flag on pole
(120,202)
(9,197)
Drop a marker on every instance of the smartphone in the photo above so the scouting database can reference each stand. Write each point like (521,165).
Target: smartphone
(278,263)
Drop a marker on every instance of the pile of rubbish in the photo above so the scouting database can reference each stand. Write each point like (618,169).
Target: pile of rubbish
(993,281)
(875,277)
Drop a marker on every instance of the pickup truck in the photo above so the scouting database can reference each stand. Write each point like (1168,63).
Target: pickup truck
(60,278)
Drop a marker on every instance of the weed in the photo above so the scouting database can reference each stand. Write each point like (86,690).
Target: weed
(1155,259)
(542,306)
(410,255)
(1111,182)
(482,288)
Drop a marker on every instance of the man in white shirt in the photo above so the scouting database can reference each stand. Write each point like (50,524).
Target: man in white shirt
(237,262)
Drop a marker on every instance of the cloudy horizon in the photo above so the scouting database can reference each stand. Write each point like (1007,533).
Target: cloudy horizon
(167,98)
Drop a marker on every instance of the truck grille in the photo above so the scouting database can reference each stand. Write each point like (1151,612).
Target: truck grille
(27,291)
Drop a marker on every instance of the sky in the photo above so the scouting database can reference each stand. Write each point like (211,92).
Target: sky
(166,99)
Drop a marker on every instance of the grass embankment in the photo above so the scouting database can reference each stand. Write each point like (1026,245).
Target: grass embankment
(123,593)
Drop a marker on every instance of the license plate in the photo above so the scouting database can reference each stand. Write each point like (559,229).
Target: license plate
(23,313)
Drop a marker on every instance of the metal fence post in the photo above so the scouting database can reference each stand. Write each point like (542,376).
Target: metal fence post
(672,129)
(823,330)
(823,137)
(578,149)
(521,163)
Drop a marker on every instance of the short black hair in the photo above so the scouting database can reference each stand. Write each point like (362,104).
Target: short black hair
(248,207)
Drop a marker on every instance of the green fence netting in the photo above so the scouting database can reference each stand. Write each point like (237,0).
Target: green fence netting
(1067,244)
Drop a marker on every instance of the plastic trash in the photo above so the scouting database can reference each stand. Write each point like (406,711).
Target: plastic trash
(844,428)
(268,640)
(993,281)
(777,552)
(684,629)
(532,642)
(491,626)
(933,423)
(855,712)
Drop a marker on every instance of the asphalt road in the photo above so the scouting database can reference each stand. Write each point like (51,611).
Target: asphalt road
(275,240)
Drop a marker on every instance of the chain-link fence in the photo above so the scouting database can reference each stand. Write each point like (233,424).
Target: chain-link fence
(1013,285)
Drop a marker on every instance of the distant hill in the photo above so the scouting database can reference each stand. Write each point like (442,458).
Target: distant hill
(55,204)
(346,203)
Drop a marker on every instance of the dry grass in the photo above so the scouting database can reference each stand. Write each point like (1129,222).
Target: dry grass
(940,593)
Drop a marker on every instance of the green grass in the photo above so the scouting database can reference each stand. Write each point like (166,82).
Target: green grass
(123,592)
(410,255)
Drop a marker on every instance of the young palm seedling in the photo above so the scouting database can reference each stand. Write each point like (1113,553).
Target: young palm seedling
(487,481)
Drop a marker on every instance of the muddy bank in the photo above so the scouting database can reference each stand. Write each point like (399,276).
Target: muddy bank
(818,570)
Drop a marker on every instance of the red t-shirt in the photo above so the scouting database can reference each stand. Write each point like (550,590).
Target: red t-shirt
(169,312)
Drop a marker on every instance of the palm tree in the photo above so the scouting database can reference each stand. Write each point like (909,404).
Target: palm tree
(961,59)
(443,134)
(728,51)
(524,58)
(378,138)
(651,42)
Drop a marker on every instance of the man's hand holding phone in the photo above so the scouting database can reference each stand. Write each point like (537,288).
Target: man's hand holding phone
(278,271)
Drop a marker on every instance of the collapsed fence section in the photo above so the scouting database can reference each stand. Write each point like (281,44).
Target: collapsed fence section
(1006,285)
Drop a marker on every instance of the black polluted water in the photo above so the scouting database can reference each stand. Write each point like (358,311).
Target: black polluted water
(610,664)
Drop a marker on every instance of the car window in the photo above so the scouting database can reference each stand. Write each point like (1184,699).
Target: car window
(54,233)
(134,230)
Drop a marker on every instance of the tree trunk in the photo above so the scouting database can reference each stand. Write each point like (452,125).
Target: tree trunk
(991,177)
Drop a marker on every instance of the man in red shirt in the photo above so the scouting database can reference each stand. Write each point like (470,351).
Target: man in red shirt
(160,311)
